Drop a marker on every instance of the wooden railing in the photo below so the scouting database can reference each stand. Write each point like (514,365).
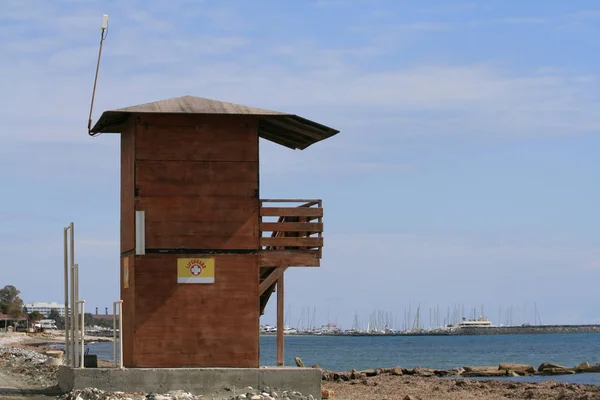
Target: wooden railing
(291,234)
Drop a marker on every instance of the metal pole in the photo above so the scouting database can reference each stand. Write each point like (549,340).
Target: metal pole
(121,334)
(82,334)
(120,363)
(67,325)
(115,333)
(76,332)
(73,312)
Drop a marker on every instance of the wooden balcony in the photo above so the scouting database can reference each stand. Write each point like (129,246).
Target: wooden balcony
(291,232)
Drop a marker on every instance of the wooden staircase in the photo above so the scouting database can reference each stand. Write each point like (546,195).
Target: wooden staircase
(290,236)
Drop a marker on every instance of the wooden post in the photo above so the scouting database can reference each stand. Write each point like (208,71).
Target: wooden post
(280,320)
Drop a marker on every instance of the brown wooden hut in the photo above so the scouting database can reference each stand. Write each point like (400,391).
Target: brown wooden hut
(201,253)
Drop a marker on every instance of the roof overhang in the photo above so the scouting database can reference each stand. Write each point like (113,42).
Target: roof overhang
(288,130)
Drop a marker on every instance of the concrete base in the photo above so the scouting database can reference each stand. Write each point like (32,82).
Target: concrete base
(205,381)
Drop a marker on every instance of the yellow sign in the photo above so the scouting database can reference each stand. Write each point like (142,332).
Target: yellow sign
(126,272)
(195,270)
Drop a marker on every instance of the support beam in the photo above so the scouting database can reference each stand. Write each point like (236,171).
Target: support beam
(280,320)
(270,280)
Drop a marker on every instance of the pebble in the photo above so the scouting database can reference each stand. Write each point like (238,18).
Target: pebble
(251,394)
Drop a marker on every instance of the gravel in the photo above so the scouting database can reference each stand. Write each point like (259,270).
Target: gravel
(249,393)
(29,365)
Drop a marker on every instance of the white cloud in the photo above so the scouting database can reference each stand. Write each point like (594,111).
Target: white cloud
(147,58)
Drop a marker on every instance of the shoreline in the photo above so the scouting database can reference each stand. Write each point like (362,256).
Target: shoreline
(23,358)
(495,330)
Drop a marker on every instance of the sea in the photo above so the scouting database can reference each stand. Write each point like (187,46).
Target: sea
(343,353)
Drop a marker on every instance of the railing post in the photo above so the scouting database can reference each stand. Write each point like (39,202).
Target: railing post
(67,314)
(76,333)
(120,363)
(82,333)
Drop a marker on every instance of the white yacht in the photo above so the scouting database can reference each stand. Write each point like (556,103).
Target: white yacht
(480,322)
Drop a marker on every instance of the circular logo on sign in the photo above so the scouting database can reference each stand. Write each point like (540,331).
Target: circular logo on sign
(195,267)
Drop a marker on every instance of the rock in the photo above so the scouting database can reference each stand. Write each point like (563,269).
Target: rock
(584,365)
(255,397)
(517,367)
(397,371)
(316,366)
(511,373)
(424,371)
(378,371)
(547,365)
(327,394)
(557,371)
(369,372)
(299,362)
(482,373)
(595,368)
(409,397)
(53,361)
(480,368)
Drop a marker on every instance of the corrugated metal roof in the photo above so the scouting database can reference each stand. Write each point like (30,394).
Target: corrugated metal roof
(288,130)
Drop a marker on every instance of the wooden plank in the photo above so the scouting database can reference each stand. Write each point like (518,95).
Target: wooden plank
(291,212)
(242,189)
(291,241)
(280,319)
(289,258)
(270,280)
(175,228)
(190,172)
(127,191)
(208,215)
(203,242)
(312,201)
(217,140)
(198,202)
(291,227)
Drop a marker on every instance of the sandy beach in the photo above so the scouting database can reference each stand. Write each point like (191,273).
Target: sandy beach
(25,374)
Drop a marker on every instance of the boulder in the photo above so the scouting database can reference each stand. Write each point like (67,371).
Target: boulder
(299,362)
(557,371)
(486,373)
(420,371)
(480,368)
(368,372)
(54,353)
(396,371)
(583,366)
(327,394)
(547,365)
(518,368)
(595,368)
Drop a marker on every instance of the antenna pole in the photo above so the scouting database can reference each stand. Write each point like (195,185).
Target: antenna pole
(102,37)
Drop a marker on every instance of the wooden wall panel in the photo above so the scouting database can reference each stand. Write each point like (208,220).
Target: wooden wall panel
(127,190)
(200,138)
(197,325)
(191,172)
(196,178)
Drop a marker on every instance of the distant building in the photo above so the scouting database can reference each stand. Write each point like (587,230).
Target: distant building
(45,308)
(106,315)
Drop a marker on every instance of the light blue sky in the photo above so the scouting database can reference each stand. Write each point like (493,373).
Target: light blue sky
(465,172)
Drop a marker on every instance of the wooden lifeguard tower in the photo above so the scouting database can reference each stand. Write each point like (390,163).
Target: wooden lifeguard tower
(201,253)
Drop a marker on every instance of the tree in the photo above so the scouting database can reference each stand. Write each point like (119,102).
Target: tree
(55,315)
(10,302)
(35,316)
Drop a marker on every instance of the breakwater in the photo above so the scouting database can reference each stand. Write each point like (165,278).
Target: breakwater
(496,330)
